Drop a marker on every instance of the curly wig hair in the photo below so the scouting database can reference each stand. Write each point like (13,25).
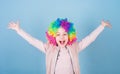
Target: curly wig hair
(65,24)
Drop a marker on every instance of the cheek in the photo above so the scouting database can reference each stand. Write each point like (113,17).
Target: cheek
(66,37)
(57,39)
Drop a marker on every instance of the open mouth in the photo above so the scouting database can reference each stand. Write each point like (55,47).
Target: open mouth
(62,42)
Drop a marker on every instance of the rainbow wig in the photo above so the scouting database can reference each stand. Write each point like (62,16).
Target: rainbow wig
(55,25)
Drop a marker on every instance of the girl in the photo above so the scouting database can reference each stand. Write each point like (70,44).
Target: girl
(62,48)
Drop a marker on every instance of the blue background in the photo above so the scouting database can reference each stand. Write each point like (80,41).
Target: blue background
(18,57)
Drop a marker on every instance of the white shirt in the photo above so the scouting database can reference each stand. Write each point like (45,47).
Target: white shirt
(64,63)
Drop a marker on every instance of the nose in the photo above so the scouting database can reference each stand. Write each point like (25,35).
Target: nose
(61,36)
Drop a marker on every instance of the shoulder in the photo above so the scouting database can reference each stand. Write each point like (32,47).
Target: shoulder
(50,47)
(74,45)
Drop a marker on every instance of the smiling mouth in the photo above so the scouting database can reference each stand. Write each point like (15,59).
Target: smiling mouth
(62,42)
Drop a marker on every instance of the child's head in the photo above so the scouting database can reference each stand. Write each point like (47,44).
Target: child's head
(61,32)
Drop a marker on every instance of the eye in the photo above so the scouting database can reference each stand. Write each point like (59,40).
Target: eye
(57,34)
(64,34)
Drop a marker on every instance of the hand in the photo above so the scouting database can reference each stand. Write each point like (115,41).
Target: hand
(106,24)
(14,26)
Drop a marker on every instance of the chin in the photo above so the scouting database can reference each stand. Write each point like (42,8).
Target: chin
(62,46)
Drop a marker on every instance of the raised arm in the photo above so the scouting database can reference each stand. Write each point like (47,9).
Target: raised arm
(35,42)
(91,37)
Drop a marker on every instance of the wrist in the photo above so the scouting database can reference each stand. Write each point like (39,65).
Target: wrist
(103,25)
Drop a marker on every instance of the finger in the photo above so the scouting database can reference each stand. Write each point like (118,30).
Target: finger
(10,26)
(103,21)
(110,26)
(109,23)
(11,23)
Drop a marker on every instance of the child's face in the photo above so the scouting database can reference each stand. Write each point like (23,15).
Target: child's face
(61,37)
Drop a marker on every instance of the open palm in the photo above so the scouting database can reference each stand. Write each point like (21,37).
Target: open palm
(14,26)
(106,24)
